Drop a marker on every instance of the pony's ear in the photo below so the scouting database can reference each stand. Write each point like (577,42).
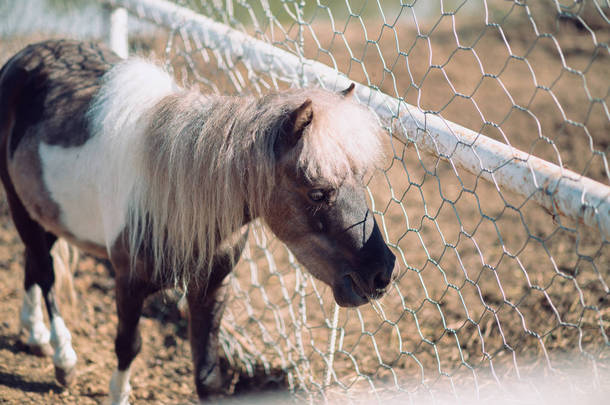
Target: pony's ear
(294,126)
(349,92)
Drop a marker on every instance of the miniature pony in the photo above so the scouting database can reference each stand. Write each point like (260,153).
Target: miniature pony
(120,161)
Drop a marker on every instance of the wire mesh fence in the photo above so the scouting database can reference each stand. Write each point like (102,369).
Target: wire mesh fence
(492,285)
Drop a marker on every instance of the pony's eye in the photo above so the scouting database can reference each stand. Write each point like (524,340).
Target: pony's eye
(316,195)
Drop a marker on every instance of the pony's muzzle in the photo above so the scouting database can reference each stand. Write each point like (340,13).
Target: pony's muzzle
(348,292)
(353,289)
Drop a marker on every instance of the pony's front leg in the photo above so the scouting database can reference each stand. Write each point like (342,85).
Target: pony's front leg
(206,300)
(206,307)
(130,296)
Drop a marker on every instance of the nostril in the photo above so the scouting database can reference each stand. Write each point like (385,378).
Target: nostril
(382,279)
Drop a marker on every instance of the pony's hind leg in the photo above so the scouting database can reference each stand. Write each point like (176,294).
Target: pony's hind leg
(39,273)
(32,324)
(39,281)
(64,357)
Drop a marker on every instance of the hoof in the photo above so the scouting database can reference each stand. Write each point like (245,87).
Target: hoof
(65,376)
(40,350)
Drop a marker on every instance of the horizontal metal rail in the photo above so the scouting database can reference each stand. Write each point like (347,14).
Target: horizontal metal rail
(558,190)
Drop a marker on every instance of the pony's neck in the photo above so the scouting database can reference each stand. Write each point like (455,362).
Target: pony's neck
(207,169)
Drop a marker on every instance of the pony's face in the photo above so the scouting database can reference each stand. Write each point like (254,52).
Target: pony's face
(328,225)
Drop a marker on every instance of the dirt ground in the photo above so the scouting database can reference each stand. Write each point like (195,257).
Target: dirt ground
(487,281)
(164,372)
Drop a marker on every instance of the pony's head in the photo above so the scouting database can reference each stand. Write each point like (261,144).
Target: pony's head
(324,146)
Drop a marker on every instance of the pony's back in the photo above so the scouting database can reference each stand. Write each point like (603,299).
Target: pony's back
(47,81)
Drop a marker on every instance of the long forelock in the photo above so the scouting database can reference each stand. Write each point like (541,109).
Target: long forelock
(343,141)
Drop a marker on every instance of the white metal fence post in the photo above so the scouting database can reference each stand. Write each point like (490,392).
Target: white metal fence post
(116,30)
(331,347)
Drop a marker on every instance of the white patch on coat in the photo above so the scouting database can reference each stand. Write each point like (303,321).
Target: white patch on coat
(61,341)
(31,317)
(92,183)
(120,387)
